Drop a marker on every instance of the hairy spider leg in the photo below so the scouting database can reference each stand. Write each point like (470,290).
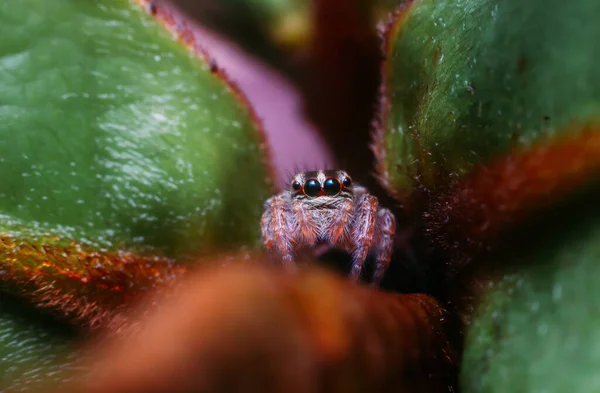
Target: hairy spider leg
(305,225)
(276,231)
(384,238)
(364,229)
(340,223)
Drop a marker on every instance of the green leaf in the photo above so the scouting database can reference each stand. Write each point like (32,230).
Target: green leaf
(539,323)
(493,107)
(32,353)
(269,28)
(466,82)
(114,133)
(123,148)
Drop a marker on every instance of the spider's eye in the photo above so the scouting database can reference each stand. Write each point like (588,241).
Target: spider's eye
(296,185)
(347,182)
(312,187)
(331,186)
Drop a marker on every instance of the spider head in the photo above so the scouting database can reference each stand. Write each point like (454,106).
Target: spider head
(318,184)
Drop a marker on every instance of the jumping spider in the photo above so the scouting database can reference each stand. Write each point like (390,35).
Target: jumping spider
(326,207)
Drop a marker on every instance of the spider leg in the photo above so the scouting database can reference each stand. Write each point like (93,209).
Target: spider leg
(364,229)
(305,225)
(266,229)
(386,228)
(276,229)
(339,224)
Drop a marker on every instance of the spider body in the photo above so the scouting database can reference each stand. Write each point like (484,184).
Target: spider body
(326,207)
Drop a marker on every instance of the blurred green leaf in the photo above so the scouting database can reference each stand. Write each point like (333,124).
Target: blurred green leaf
(536,329)
(268,28)
(498,101)
(31,352)
(115,138)
(467,81)
(113,133)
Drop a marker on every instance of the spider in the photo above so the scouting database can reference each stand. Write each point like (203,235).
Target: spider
(326,207)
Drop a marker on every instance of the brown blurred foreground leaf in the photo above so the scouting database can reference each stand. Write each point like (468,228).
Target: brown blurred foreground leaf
(259,329)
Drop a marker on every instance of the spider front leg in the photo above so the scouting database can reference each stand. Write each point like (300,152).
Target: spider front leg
(363,232)
(305,226)
(338,227)
(384,242)
(276,229)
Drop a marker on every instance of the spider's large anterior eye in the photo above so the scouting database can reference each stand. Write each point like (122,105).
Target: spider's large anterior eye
(312,187)
(296,185)
(332,186)
(347,182)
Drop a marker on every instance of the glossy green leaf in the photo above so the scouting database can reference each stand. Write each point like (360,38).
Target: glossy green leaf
(32,351)
(116,137)
(498,99)
(466,81)
(114,133)
(537,328)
